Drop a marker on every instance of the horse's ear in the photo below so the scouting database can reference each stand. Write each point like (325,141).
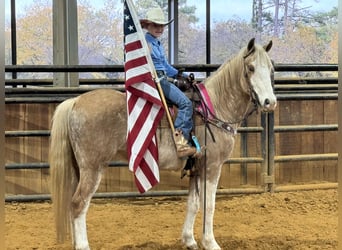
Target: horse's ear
(250,48)
(250,45)
(268,46)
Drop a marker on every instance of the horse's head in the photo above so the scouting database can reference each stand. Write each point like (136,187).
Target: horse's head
(258,70)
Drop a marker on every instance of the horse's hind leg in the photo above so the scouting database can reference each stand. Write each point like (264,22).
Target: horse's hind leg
(87,186)
(192,209)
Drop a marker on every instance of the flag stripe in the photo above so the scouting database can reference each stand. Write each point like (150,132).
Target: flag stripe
(148,172)
(136,67)
(144,106)
(151,96)
(133,45)
(141,140)
(133,38)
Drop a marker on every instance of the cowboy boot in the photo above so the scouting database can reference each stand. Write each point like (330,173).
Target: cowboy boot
(182,147)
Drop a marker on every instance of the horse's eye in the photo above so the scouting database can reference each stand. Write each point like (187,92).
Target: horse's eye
(251,68)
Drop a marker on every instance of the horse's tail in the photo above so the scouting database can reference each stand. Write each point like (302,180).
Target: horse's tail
(62,170)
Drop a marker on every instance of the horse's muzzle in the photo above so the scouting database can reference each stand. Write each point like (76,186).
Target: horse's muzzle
(269,104)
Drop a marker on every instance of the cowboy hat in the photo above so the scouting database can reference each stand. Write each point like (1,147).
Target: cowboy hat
(155,15)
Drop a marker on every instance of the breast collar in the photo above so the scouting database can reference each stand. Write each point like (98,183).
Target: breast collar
(207,111)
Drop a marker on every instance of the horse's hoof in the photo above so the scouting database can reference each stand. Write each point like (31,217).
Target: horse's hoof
(82,248)
(212,245)
(189,242)
(192,247)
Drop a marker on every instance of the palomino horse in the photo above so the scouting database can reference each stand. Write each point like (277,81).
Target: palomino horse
(90,130)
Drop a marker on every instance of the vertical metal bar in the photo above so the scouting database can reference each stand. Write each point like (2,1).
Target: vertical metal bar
(271,149)
(2,126)
(173,31)
(205,166)
(208,37)
(339,162)
(264,151)
(270,144)
(243,153)
(13,37)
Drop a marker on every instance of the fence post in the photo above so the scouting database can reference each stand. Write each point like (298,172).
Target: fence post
(243,153)
(271,151)
(65,41)
(267,147)
(264,151)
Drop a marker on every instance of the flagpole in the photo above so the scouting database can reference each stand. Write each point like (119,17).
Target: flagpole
(150,63)
(162,97)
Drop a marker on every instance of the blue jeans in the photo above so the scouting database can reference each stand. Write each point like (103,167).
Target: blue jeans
(176,96)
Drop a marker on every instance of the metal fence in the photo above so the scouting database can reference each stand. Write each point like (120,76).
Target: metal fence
(291,88)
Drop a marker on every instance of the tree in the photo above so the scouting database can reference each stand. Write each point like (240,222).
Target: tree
(100,33)
(228,38)
(34,34)
(300,46)
(299,35)
(332,49)
(34,37)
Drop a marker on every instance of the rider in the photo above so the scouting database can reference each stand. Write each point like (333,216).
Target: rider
(155,23)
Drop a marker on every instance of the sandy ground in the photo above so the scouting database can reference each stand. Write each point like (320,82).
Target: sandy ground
(289,220)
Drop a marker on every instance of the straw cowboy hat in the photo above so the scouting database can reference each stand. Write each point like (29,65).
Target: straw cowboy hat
(155,15)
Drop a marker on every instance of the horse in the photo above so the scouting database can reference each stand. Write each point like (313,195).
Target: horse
(88,131)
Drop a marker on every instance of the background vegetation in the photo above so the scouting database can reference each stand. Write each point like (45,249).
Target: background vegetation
(299,34)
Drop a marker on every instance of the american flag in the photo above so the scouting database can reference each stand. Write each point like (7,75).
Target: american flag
(144,106)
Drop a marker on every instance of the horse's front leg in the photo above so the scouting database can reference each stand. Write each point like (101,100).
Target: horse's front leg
(210,178)
(192,209)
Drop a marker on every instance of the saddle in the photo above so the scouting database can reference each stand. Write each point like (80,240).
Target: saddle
(204,113)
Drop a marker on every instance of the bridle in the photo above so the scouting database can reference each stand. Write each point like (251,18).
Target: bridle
(254,98)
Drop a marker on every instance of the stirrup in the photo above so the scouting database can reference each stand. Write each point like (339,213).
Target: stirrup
(199,149)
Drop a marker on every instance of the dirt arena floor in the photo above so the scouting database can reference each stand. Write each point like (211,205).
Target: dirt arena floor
(286,220)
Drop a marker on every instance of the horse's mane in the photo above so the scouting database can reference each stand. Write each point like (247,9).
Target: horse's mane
(229,79)
(227,71)
(225,79)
